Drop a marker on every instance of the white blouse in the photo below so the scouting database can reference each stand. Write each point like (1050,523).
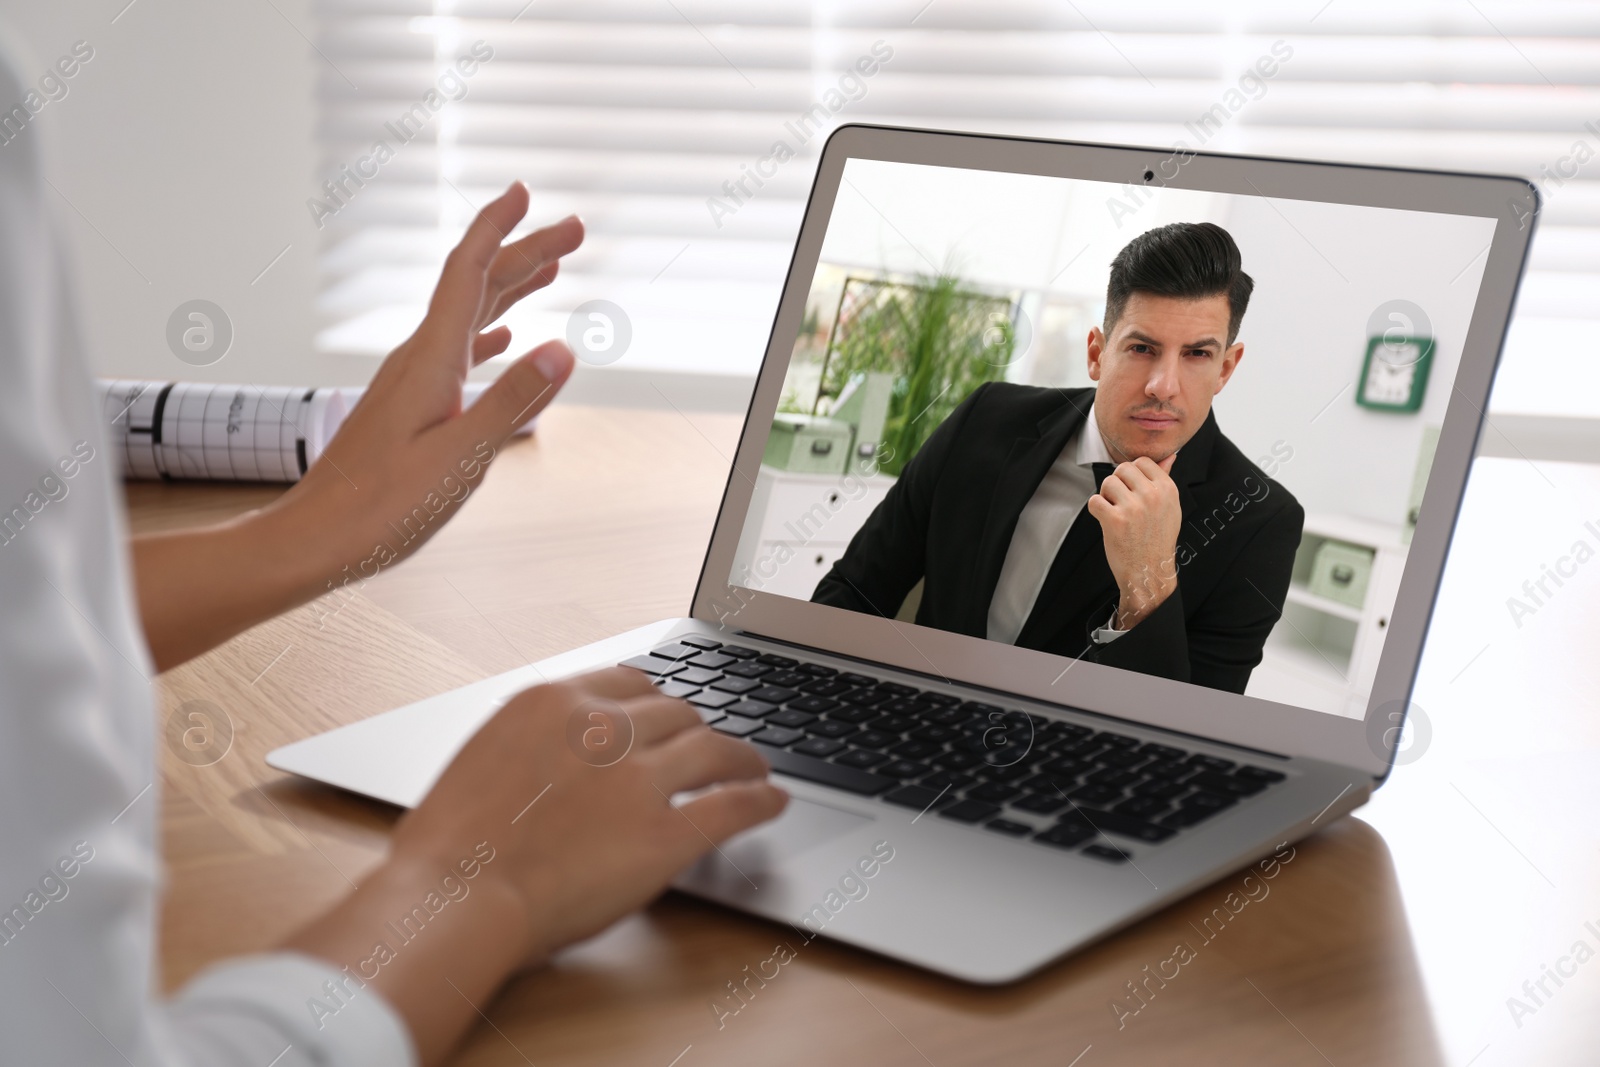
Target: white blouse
(79,789)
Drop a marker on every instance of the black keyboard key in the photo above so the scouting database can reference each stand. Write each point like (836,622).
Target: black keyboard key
(975,708)
(1227,784)
(736,685)
(1207,802)
(904,768)
(653,665)
(1142,807)
(773,694)
(772,659)
(1009,828)
(678,690)
(1186,817)
(821,747)
(943,700)
(1109,853)
(710,698)
(874,739)
(1166,770)
(1162,752)
(1051,784)
(970,811)
(738,652)
(852,715)
(737,726)
(1211,763)
(1094,794)
(993,792)
(893,724)
(957,761)
(915,749)
(939,735)
(699,642)
(906,706)
(943,779)
(1259,773)
(865,698)
(1126,825)
(861,758)
(830,728)
(777,735)
(697,676)
(812,704)
(1117,740)
(1113,777)
(1041,803)
(825,687)
(858,680)
(817,670)
(1066,766)
(1014,772)
(1122,758)
(787,679)
(896,689)
(1065,835)
(918,797)
(755,709)
(748,670)
(712,661)
(790,718)
(1159,789)
(799,765)
(677,651)
(947,716)
(1083,750)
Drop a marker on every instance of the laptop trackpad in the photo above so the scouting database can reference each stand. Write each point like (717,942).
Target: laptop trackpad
(803,825)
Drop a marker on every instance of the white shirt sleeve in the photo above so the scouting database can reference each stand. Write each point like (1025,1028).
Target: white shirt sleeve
(79,861)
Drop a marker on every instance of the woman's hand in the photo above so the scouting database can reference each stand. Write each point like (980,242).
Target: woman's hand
(404,460)
(552,823)
(409,454)
(570,784)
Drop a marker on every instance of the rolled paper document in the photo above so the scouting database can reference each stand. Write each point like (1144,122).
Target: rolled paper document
(181,431)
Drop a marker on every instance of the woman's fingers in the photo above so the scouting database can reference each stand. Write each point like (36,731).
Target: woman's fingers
(655,718)
(730,808)
(459,294)
(695,759)
(490,343)
(525,257)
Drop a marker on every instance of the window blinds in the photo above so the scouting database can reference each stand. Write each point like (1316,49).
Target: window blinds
(660,122)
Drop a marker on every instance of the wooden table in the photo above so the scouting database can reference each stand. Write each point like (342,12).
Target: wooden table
(1393,937)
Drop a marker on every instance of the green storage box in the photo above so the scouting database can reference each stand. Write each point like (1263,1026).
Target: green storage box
(808,444)
(1341,572)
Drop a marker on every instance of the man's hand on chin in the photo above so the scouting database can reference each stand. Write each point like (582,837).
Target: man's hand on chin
(1139,514)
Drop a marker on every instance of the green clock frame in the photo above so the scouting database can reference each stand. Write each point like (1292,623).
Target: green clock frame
(1419,382)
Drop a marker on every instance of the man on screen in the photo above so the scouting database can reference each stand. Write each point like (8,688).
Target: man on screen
(1178,566)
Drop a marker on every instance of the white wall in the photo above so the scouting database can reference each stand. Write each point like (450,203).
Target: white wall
(184,147)
(1321,270)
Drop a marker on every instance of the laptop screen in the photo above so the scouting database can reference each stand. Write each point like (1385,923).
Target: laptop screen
(1175,432)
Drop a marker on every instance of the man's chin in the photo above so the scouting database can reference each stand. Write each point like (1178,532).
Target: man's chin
(1153,444)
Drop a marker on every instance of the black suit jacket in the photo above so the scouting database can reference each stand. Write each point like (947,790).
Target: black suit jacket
(950,517)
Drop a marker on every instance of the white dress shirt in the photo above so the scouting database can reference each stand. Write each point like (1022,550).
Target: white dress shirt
(1041,528)
(80,867)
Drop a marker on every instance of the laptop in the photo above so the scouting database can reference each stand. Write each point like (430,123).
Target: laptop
(1001,747)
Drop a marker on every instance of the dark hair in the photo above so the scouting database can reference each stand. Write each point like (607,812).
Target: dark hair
(1187,260)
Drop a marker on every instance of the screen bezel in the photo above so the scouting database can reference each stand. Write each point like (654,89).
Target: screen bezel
(1252,722)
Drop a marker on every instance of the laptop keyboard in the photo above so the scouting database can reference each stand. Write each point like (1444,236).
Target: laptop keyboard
(1054,783)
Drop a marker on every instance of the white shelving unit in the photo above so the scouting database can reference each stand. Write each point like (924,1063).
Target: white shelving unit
(1324,653)
(799,525)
